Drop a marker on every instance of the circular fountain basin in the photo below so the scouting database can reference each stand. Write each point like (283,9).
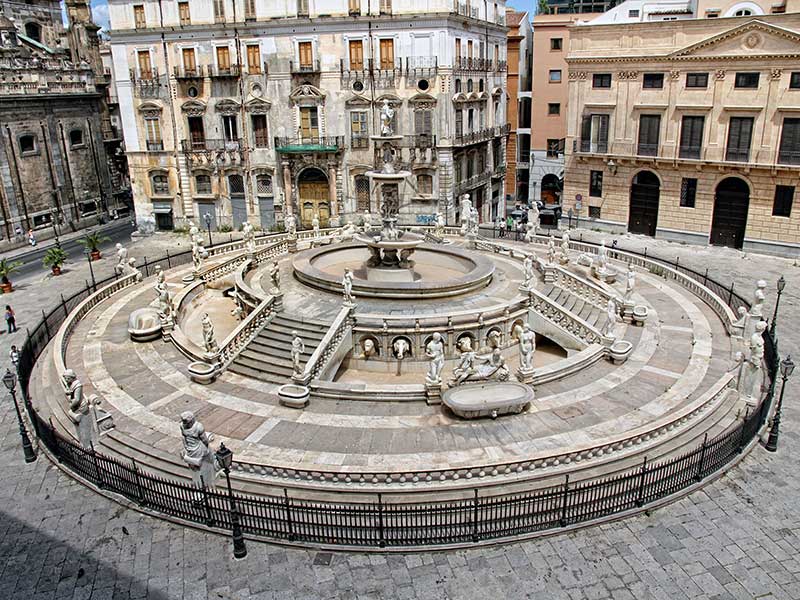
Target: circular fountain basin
(493,399)
(438,271)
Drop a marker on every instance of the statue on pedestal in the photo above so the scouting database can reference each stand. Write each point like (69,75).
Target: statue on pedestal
(209,341)
(527,346)
(290,223)
(199,254)
(79,408)
(315,225)
(122,259)
(439,225)
(752,376)
(197,453)
(602,257)
(249,235)
(275,278)
(630,282)
(166,307)
(298,347)
(564,256)
(551,250)
(387,116)
(435,352)
(611,318)
(347,286)
(757,308)
(528,271)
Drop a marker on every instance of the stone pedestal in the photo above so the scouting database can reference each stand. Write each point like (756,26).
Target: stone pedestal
(277,305)
(433,392)
(627,311)
(471,241)
(549,274)
(607,340)
(292,245)
(167,325)
(189,279)
(525,376)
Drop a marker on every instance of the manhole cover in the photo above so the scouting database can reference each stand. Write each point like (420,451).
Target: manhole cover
(568,412)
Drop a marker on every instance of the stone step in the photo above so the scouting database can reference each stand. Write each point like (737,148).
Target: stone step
(240,368)
(280,330)
(268,351)
(300,322)
(282,366)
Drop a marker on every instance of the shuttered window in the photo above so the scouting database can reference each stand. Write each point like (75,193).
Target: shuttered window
(423,122)
(306,54)
(790,142)
(253,59)
(594,133)
(691,137)
(357,55)
(649,126)
(740,132)
(223,58)
(260,132)
(189,61)
(145,66)
(387,54)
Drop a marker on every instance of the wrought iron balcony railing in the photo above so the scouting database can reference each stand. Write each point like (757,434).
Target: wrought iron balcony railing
(593,147)
(297,68)
(647,150)
(789,157)
(195,72)
(203,145)
(331,143)
(225,71)
(690,152)
(737,155)
(155,146)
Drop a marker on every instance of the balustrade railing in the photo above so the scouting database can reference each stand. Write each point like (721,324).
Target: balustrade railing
(328,347)
(246,332)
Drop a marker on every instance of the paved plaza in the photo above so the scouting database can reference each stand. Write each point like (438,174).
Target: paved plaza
(737,538)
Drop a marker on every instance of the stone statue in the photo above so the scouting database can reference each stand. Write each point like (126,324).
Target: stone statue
(368,349)
(435,352)
(466,216)
(209,340)
(527,346)
(275,278)
(752,377)
(348,231)
(122,259)
(237,311)
(166,307)
(611,318)
(367,221)
(472,223)
(564,256)
(298,347)
(630,282)
(757,309)
(347,286)
(489,367)
(602,257)
(551,250)
(493,339)
(291,225)
(315,225)
(132,270)
(387,116)
(79,408)
(249,238)
(533,217)
(400,348)
(530,232)
(466,365)
(439,226)
(197,453)
(199,254)
(528,270)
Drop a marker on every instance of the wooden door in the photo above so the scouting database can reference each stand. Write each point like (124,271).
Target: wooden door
(145,66)
(731,205)
(387,54)
(306,54)
(189,62)
(223,58)
(309,122)
(356,55)
(643,211)
(314,200)
(253,59)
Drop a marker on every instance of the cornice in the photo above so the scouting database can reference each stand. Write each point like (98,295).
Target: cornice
(681,59)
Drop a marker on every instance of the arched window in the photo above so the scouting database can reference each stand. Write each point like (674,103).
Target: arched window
(743,12)
(362,193)
(480,85)
(425,185)
(76,138)
(33,31)
(159,182)
(469,85)
(202,185)
(458,86)
(236,185)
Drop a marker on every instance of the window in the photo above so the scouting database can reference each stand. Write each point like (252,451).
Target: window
(253,59)
(160,184)
(469,86)
(594,212)
(264,185)
(76,138)
(354,7)
(34,31)
(358,130)
(789,152)
(230,128)
(653,81)
(197,132)
(250,10)
(202,185)
(357,55)
(746,80)
(302,8)
(784,194)
(423,122)
(594,134)
(362,193)
(306,54)
(633,14)
(688,192)
(697,80)
(743,12)
(471,120)
(794,81)
(459,122)
(219,10)
(740,130)
(649,128)
(260,132)
(553,148)
(223,59)
(184,15)
(596,184)
(152,129)
(555,76)
(458,86)
(556,44)
(469,49)
(458,48)
(601,80)
(691,137)
(139,21)
(554,108)
(145,66)
(309,122)
(424,185)
(27,144)
(387,54)
(386,7)
(189,61)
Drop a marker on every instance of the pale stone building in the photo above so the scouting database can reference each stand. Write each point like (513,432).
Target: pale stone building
(247,109)
(520,63)
(688,130)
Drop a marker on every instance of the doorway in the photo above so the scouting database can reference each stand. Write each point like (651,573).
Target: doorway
(312,185)
(643,210)
(731,203)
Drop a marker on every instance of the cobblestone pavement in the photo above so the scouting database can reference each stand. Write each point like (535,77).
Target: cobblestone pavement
(737,538)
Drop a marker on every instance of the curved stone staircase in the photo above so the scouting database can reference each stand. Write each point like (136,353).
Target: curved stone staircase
(588,312)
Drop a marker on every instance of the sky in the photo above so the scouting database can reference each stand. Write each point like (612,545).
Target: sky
(100,9)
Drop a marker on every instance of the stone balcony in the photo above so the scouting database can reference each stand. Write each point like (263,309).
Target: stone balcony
(19,77)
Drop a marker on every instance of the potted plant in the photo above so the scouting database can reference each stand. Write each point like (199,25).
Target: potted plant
(7,268)
(54,258)
(92,243)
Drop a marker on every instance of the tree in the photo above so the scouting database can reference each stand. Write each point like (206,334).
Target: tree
(543,8)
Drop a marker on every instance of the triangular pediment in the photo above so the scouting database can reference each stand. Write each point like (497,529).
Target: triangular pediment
(307,94)
(754,38)
(257,106)
(355,101)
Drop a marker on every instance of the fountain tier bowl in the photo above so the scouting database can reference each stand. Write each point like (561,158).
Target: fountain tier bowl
(437,272)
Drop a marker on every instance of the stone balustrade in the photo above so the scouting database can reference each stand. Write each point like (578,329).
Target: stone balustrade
(245,332)
(567,320)
(585,290)
(332,344)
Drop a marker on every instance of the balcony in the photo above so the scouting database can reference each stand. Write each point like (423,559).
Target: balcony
(225,71)
(647,150)
(110,133)
(296,68)
(470,183)
(421,141)
(502,130)
(464,63)
(594,147)
(467,11)
(693,152)
(789,157)
(155,146)
(204,145)
(305,144)
(475,137)
(195,72)
(422,66)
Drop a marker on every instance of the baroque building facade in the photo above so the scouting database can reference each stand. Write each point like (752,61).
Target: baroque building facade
(520,62)
(56,153)
(245,110)
(688,130)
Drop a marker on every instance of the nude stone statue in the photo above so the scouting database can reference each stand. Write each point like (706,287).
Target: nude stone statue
(757,309)
(611,318)
(298,347)
(564,255)
(752,377)
(290,223)
(435,352)
(197,453)
(551,250)
(347,286)
(249,235)
(528,273)
(275,277)
(122,259)
(315,225)
(209,341)
(387,115)
(630,282)
(527,346)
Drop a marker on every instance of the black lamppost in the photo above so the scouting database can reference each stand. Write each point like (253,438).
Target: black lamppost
(787,366)
(10,381)
(225,459)
(53,220)
(88,254)
(781,286)
(207,219)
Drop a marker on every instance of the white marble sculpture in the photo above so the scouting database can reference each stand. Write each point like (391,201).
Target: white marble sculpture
(528,273)
(602,257)
(551,250)
(439,226)
(249,235)
(752,377)
(197,453)
(237,311)
(209,341)
(611,318)
(367,221)
(368,349)
(199,253)
(469,217)
(298,347)
(435,352)
(387,116)
(347,287)
(315,225)
(493,339)
(122,259)
(533,217)
(757,308)
(275,278)
(290,223)
(130,269)
(563,257)
(487,367)
(630,282)
(348,231)
(466,364)
(166,307)
(400,348)
(79,408)
(527,346)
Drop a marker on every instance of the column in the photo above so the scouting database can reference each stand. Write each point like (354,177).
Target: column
(334,220)
(287,188)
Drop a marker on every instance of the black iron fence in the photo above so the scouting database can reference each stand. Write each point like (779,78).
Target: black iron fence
(377,523)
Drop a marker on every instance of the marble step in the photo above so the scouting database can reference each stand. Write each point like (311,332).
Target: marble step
(241,368)
(282,366)
(269,351)
(282,333)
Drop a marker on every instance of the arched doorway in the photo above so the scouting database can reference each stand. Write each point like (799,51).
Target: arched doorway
(731,202)
(551,189)
(312,187)
(643,210)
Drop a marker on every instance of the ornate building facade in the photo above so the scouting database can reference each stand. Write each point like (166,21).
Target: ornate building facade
(247,109)
(688,130)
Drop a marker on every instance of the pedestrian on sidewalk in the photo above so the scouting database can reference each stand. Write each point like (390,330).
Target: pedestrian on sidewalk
(11,319)
(14,356)
(31,238)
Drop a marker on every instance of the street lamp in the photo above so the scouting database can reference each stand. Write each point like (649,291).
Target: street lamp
(781,285)
(53,219)
(10,381)
(88,254)
(225,459)
(207,219)
(787,366)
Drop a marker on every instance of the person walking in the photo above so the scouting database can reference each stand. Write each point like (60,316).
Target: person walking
(501,223)
(11,319)
(14,356)
(31,237)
